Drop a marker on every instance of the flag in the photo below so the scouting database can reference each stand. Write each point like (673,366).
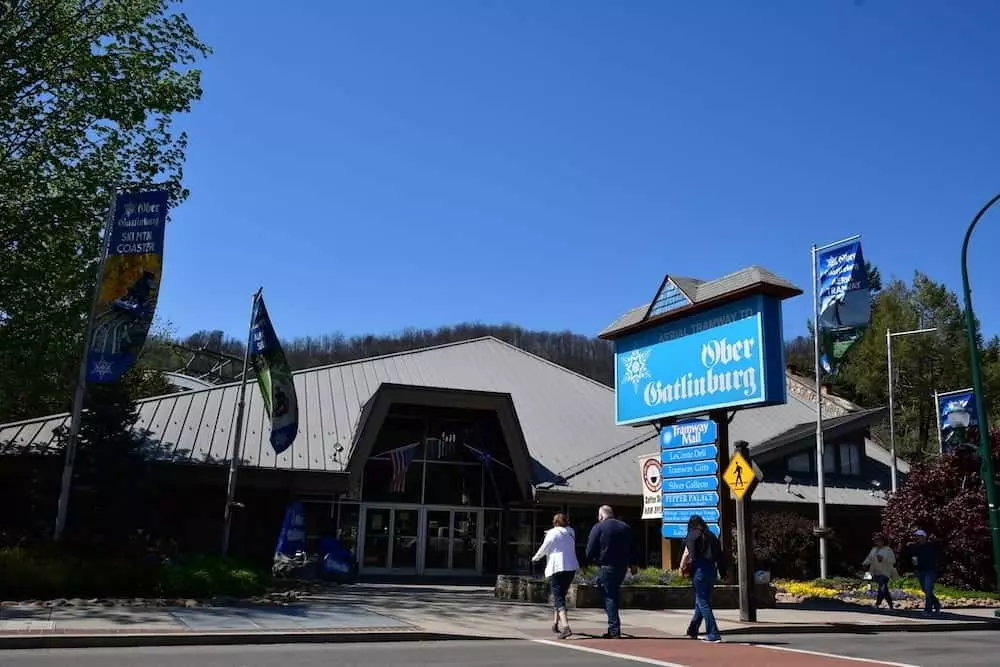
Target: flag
(292,537)
(130,283)
(274,377)
(844,302)
(963,400)
(445,445)
(844,294)
(401,458)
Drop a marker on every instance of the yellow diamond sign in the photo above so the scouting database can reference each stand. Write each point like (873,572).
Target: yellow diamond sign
(739,475)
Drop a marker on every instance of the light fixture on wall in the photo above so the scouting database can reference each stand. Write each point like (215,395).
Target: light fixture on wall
(788,483)
(876,485)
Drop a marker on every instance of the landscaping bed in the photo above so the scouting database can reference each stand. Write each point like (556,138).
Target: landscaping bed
(649,589)
(906,593)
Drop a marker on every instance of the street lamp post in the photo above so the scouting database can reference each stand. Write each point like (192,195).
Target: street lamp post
(889,335)
(989,476)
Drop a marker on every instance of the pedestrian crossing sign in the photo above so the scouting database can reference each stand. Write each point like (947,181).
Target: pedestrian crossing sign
(739,475)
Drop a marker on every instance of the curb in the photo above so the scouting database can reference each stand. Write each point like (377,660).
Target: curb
(859,629)
(138,640)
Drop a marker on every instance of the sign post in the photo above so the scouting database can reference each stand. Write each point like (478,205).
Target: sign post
(741,480)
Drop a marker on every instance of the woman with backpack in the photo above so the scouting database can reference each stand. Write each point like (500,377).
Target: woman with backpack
(703,559)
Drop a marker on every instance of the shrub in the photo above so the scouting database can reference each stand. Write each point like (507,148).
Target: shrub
(784,544)
(206,576)
(946,497)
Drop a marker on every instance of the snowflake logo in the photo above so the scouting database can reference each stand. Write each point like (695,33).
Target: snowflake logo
(102,368)
(636,368)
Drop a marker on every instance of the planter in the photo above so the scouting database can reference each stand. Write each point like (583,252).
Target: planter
(526,589)
(668,597)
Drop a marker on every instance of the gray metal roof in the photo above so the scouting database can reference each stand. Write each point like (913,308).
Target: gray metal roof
(704,291)
(566,417)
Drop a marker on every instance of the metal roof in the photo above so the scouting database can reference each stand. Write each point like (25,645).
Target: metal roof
(567,419)
(703,292)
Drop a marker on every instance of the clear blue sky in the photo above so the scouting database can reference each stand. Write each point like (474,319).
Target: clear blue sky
(377,165)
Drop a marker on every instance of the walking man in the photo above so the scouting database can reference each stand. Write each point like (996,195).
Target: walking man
(610,546)
(924,557)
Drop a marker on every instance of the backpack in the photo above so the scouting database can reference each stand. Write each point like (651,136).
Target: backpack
(709,547)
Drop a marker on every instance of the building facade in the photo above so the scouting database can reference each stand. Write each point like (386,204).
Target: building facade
(449,460)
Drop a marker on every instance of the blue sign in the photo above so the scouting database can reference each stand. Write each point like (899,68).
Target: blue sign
(709,514)
(678,531)
(690,432)
(708,452)
(727,357)
(844,296)
(687,484)
(958,407)
(292,537)
(689,469)
(704,499)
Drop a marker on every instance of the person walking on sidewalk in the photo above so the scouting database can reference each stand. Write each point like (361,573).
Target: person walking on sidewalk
(704,559)
(881,562)
(924,556)
(610,546)
(559,547)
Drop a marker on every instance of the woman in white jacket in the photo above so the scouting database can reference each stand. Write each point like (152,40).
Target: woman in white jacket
(881,562)
(560,568)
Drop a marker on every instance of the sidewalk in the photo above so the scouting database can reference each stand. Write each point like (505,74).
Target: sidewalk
(373,612)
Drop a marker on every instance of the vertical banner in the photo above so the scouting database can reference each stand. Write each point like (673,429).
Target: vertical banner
(844,301)
(292,537)
(130,283)
(957,422)
(649,469)
(274,377)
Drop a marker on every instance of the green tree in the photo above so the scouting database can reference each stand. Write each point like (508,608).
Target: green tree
(88,92)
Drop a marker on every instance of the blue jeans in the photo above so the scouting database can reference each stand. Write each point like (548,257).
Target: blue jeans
(927,579)
(610,577)
(704,581)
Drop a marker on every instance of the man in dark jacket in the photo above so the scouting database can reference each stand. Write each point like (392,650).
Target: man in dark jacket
(924,556)
(704,559)
(610,546)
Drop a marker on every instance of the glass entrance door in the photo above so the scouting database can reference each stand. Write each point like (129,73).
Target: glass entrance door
(391,539)
(452,539)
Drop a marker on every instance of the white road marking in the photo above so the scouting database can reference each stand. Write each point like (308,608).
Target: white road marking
(820,654)
(610,654)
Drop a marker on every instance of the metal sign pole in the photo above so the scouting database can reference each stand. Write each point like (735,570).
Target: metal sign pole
(66,484)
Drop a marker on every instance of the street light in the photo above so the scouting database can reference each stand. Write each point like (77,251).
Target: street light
(889,335)
(989,477)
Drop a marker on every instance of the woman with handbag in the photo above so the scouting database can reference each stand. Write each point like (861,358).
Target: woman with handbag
(703,559)
(559,546)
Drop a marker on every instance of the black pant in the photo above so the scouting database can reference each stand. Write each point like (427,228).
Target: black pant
(560,582)
(883,590)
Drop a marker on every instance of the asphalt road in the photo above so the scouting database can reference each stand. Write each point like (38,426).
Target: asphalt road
(924,649)
(965,649)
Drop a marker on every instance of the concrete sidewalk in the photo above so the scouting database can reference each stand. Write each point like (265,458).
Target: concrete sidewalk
(371,612)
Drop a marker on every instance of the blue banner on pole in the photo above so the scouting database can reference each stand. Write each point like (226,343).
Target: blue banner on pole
(274,377)
(130,282)
(293,530)
(958,422)
(844,294)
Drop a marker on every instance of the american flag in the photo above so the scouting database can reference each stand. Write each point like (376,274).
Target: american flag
(401,458)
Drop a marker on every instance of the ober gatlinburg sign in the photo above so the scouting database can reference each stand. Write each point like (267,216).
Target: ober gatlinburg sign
(699,347)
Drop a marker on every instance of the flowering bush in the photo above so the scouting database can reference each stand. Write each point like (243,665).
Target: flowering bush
(946,497)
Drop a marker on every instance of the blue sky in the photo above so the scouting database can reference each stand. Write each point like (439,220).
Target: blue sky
(377,165)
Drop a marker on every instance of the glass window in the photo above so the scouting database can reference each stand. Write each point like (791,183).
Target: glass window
(491,542)
(850,459)
(800,463)
(829,460)
(347,526)
(453,484)
(438,539)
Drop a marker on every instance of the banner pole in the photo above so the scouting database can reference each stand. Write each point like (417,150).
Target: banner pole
(937,419)
(234,460)
(62,509)
(820,481)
